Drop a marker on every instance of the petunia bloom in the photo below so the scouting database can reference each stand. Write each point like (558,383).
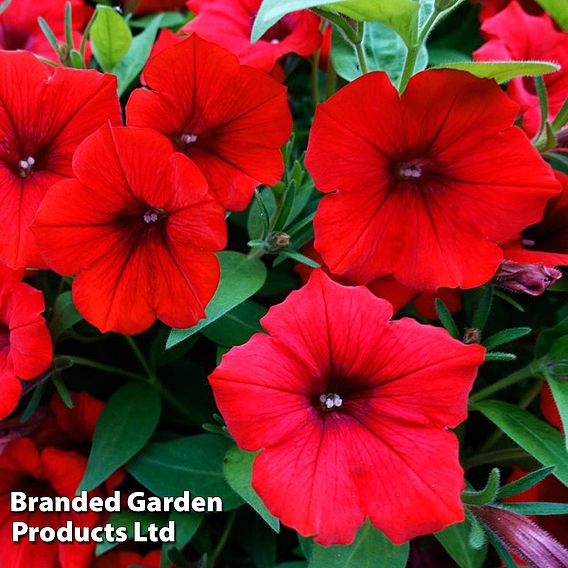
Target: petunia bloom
(351,413)
(152,6)
(230,119)
(491,7)
(425,184)
(229,23)
(388,289)
(45,115)
(546,242)
(139,229)
(51,462)
(514,35)
(19,28)
(26,350)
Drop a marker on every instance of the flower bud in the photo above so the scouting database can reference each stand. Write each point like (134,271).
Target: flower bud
(522,537)
(531,279)
(278,241)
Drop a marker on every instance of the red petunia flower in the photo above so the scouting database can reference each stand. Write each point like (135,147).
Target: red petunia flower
(41,124)
(124,559)
(153,6)
(491,7)
(425,184)
(48,472)
(19,28)
(546,242)
(347,408)
(230,119)
(51,462)
(25,344)
(388,289)
(515,35)
(229,23)
(139,229)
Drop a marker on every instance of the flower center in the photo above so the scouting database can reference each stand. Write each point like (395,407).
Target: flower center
(153,215)
(330,401)
(187,139)
(26,166)
(411,170)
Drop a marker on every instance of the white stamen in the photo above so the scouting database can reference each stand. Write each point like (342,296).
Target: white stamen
(331,400)
(150,216)
(528,243)
(275,41)
(26,166)
(411,171)
(189,138)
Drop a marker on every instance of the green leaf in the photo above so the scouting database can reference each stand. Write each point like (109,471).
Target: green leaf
(503,553)
(48,33)
(526,482)
(558,9)
(503,71)
(260,212)
(61,388)
(400,15)
(487,494)
(446,318)
(299,257)
(271,11)
(125,425)
(127,519)
(193,463)
(110,37)
(238,472)
(455,539)
(238,326)
(506,336)
(168,20)
(241,277)
(553,343)
(186,527)
(499,356)
(65,315)
(130,66)
(536,508)
(384,49)
(369,546)
(483,309)
(559,388)
(536,437)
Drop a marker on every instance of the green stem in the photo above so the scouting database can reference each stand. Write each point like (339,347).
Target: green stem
(497,456)
(513,378)
(413,51)
(362,58)
(111,369)
(315,79)
(153,379)
(223,540)
(331,81)
(141,359)
(543,101)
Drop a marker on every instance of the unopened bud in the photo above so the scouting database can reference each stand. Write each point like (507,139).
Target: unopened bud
(531,279)
(278,241)
(472,335)
(522,537)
